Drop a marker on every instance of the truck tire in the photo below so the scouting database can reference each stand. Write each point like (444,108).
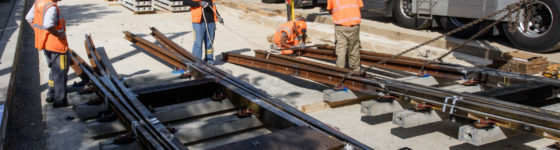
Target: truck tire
(402,12)
(544,28)
(452,23)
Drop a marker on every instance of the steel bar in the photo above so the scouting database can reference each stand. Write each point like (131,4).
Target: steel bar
(543,122)
(267,102)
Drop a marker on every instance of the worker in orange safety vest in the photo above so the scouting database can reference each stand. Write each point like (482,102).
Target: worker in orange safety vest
(290,36)
(203,16)
(50,37)
(347,17)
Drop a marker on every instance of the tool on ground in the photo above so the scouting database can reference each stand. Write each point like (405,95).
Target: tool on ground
(552,71)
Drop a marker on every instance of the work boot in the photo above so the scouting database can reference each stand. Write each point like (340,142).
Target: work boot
(49,100)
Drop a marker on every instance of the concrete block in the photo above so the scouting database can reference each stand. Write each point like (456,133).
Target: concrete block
(97,129)
(462,88)
(374,107)
(108,145)
(85,112)
(410,118)
(200,130)
(426,81)
(477,137)
(332,96)
(553,107)
(191,109)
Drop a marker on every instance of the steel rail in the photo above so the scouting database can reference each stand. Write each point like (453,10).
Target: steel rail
(133,105)
(155,50)
(547,123)
(170,45)
(485,75)
(400,63)
(262,99)
(126,117)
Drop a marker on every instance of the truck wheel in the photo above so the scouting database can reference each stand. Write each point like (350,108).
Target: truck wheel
(451,23)
(404,16)
(543,30)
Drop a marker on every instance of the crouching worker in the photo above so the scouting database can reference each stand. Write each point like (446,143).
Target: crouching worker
(290,37)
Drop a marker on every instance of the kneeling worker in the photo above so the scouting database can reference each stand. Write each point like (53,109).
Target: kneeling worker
(290,36)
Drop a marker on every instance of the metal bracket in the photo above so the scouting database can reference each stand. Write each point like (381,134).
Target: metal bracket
(452,105)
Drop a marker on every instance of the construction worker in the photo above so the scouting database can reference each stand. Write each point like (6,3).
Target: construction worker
(203,16)
(290,36)
(50,37)
(346,17)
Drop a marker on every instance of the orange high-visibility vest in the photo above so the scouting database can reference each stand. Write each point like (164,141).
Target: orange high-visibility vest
(44,39)
(345,12)
(288,29)
(196,13)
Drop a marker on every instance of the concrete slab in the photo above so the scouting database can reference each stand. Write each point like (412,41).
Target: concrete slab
(477,137)
(191,109)
(223,125)
(84,111)
(426,81)
(375,108)
(410,118)
(462,88)
(97,129)
(74,98)
(332,96)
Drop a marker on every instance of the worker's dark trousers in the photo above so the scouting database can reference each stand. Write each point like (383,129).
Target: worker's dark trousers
(58,63)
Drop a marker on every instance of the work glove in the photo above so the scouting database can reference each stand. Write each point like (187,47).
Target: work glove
(220,19)
(203,4)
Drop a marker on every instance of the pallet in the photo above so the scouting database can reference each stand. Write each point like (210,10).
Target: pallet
(138,6)
(520,62)
(171,5)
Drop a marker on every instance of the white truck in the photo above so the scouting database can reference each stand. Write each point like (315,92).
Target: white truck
(543,28)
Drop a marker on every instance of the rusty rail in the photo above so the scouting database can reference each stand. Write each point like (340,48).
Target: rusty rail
(509,115)
(400,63)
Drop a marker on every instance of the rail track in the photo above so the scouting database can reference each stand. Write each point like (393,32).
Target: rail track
(201,108)
(507,100)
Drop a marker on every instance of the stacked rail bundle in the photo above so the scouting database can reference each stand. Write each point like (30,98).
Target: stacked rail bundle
(138,6)
(172,5)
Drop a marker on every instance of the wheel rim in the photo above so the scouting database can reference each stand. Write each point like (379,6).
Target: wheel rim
(540,23)
(459,21)
(406,9)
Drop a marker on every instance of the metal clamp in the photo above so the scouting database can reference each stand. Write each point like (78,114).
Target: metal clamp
(455,99)
(134,125)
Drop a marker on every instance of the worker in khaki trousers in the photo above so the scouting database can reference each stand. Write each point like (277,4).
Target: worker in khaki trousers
(50,37)
(346,17)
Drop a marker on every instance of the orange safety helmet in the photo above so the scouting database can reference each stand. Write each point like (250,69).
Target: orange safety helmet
(301,26)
